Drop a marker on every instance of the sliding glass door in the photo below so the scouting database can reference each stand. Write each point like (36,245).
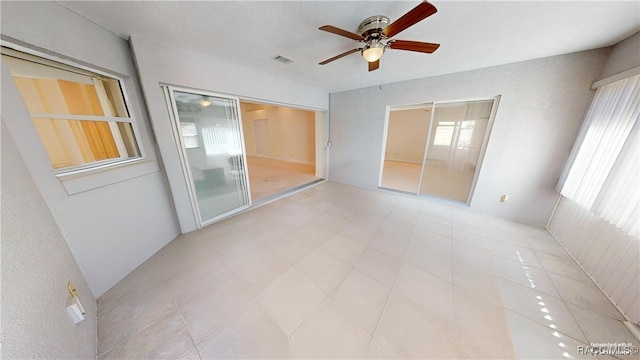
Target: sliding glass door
(208,130)
(436,148)
(457,135)
(407,131)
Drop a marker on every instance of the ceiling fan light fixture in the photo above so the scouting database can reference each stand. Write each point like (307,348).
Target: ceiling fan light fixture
(204,102)
(376,32)
(373,51)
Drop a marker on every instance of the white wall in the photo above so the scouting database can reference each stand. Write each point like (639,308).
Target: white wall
(118,218)
(291,133)
(542,104)
(624,56)
(36,266)
(166,64)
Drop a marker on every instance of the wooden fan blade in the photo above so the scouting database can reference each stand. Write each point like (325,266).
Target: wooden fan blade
(339,56)
(417,14)
(338,31)
(374,65)
(418,46)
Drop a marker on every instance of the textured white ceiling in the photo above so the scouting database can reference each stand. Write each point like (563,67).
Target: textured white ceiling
(473,34)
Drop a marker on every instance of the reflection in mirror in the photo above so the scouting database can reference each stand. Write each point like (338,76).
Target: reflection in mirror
(435,149)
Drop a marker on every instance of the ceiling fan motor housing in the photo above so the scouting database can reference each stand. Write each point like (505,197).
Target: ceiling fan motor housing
(371,27)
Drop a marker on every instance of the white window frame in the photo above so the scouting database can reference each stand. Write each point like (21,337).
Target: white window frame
(69,172)
(86,179)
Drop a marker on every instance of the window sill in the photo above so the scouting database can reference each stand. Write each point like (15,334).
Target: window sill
(89,179)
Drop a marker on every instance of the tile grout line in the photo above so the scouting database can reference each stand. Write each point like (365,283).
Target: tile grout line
(184,322)
(328,299)
(504,308)
(590,277)
(564,301)
(354,269)
(227,320)
(386,302)
(136,333)
(561,299)
(315,311)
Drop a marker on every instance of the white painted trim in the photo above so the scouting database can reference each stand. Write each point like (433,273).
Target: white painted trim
(175,119)
(385,133)
(180,149)
(284,160)
(244,98)
(115,132)
(113,174)
(441,103)
(280,104)
(426,146)
(483,148)
(245,168)
(319,146)
(83,117)
(96,167)
(553,212)
(87,71)
(613,78)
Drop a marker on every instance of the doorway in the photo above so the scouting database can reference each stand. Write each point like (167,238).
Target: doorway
(282,146)
(261,137)
(237,153)
(436,149)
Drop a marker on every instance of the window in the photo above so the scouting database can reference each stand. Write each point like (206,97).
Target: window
(444,133)
(81,117)
(189,135)
(466,133)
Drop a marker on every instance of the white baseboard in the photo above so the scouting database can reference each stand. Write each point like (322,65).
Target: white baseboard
(287,160)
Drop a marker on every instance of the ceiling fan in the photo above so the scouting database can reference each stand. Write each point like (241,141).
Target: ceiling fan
(376,33)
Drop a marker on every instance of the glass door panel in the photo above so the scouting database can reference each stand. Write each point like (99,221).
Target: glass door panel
(210,133)
(407,132)
(457,136)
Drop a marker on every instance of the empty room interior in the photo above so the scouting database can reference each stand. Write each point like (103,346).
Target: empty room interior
(320,179)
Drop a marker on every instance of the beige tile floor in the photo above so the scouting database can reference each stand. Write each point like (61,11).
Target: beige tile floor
(271,176)
(340,272)
(437,181)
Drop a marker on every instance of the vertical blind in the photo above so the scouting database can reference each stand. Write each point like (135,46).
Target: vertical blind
(603,175)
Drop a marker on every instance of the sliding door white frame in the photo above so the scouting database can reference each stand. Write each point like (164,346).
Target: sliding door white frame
(483,148)
(432,105)
(181,148)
